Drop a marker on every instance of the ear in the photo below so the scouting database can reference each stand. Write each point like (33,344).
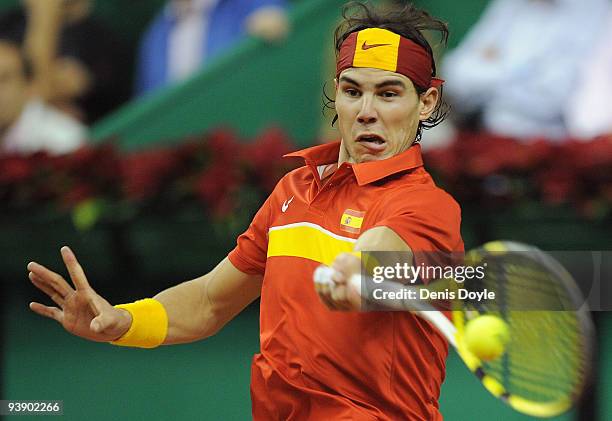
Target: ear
(336,83)
(428,101)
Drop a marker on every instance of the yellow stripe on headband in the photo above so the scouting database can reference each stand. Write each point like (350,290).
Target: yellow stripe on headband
(377,48)
(383,49)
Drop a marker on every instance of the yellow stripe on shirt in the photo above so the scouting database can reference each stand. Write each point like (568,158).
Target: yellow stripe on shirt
(307,240)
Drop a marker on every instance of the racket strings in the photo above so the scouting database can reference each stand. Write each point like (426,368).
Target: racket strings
(539,363)
(544,361)
(520,286)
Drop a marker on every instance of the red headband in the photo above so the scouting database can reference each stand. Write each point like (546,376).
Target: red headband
(386,50)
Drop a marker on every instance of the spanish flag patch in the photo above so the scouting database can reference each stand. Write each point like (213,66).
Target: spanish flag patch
(351,221)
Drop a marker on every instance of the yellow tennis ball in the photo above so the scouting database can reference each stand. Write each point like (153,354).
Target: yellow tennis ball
(486,337)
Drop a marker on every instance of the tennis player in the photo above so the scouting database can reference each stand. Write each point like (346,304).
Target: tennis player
(367,192)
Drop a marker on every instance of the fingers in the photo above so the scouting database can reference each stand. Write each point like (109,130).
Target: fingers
(324,292)
(346,264)
(46,311)
(51,280)
(328,302)
(95,305)
(353,292)
(107,318)
(97,325)
(103,322)
(74,269)
(52,293)
(331,288)
(339,296)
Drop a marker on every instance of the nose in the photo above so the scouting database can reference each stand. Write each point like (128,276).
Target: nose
(367,114)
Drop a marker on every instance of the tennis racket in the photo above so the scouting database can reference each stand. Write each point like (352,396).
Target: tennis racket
(547,361)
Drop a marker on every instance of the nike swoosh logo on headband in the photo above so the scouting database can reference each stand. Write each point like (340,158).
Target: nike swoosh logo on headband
(367,46)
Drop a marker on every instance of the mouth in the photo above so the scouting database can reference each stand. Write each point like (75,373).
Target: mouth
(372,142)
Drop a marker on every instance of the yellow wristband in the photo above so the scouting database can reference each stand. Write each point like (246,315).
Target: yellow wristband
(149,324)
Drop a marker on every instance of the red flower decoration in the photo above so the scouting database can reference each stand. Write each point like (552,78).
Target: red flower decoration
(15,169)
(145,172)
(217,168)
(264,155)
(217,186)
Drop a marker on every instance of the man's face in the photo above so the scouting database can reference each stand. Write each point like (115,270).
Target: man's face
(13,84)
(378,112)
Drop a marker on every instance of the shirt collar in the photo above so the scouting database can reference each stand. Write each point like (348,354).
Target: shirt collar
(367,172)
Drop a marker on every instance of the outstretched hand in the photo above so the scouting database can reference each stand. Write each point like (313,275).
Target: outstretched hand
(80,310)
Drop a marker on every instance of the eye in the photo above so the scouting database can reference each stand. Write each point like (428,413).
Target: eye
(352,92)
(389,94)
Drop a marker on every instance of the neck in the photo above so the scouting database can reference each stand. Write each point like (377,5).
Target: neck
(344,156)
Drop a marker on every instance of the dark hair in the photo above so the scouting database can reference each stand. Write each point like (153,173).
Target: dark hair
(407,21)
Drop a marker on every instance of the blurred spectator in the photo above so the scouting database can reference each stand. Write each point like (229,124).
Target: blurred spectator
(588,111)
(516,67)
(79,65)
(27,123)
(187,34)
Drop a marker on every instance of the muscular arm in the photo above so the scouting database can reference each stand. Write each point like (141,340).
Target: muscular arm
(381,239)
(201,307)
